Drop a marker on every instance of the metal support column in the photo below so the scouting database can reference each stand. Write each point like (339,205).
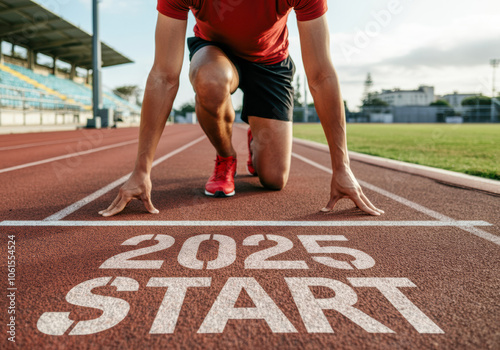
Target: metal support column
(96,66)
(72,73)
(31,59)
(494,63)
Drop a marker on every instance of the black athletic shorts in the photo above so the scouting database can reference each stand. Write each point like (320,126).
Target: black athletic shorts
(267,89)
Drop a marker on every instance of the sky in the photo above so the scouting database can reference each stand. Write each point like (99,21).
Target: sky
(402,43)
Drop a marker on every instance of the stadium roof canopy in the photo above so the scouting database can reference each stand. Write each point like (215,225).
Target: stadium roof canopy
(27,23)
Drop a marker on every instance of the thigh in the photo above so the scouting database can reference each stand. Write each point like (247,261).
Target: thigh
(272,149)
(215,65)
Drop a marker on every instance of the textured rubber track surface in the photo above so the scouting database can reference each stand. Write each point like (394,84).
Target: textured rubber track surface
(447,272)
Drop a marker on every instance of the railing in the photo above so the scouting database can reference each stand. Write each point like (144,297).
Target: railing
(17,98)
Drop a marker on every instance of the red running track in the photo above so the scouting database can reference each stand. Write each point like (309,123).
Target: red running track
(262,269)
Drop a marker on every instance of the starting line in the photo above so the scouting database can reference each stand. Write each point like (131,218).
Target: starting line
(429,223)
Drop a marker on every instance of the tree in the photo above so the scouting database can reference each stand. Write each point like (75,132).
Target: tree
(188,107)
(345,107)
(477,100)
(129,92)
(440,103)
(126,90)
(373,101)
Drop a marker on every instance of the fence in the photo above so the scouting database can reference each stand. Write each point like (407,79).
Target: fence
(302,116)
(426,114)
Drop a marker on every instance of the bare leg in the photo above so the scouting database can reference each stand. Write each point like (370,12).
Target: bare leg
(214,77)
(272,149)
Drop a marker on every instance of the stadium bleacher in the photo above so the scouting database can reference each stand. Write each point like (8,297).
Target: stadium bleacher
(25,85)
(16,93)
(80,93)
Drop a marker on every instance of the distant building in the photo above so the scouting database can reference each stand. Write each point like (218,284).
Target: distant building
(455,99)
(423,96)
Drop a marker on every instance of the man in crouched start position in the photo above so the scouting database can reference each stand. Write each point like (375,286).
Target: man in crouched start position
(243,44)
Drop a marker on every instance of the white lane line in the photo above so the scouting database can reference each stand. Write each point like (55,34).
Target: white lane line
(27,145)
(466,224)
(408,203)
(483,234)
(75,206)
(76,154)
(434,214)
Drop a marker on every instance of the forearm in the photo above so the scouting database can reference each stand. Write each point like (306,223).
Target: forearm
(158,100)
(330,108)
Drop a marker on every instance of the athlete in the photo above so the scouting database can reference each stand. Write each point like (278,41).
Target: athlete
(243,44)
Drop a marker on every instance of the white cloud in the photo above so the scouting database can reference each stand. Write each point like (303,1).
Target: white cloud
(430,42)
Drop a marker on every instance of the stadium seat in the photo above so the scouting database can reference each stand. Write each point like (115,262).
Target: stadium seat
(80,93)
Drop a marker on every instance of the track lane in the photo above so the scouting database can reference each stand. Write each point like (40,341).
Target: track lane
(68,156)
(37,192)
(178,194)
(61,145)
(452,201)
(456,274)
(25,138)
(37,144)
(76,206)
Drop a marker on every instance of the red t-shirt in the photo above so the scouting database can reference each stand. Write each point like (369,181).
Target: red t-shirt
(254,29)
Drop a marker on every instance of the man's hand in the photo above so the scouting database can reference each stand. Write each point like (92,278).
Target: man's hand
(345,185)
(138,186)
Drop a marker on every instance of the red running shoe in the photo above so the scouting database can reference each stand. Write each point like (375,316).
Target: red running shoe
(250,168)
(221,183)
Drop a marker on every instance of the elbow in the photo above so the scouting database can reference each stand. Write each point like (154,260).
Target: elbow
(319,78)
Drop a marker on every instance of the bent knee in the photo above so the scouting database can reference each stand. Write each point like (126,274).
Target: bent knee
(275,182)
(212,86)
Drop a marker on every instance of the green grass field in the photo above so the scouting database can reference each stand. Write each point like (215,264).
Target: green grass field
(468,148)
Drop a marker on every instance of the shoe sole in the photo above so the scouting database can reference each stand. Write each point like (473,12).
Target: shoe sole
(219,194)
(250,173)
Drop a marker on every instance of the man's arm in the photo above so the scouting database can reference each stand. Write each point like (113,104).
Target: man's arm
(325,89)
(161,89)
